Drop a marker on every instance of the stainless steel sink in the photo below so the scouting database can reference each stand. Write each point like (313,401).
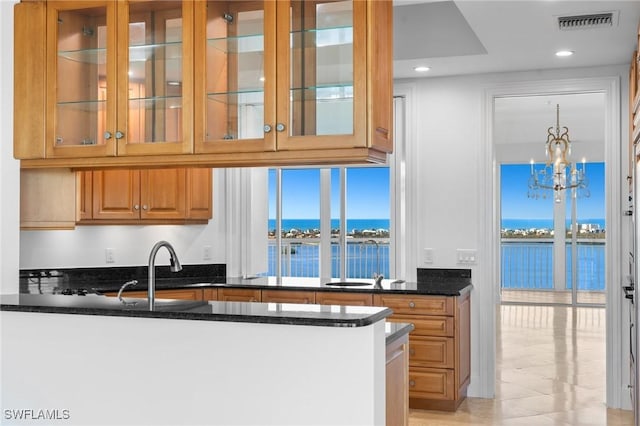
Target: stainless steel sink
(349,283)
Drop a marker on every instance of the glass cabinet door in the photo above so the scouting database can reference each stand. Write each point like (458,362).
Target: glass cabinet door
(155,82)
(81,84)
(235,55)
(326,53)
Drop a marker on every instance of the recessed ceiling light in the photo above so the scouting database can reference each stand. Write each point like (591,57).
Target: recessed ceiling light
(563,53)
(421,69)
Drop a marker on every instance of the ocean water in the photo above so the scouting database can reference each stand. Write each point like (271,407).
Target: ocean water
(545,223)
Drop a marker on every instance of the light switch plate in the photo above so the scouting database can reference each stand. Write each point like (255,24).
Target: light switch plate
(206,253)
(109,255)
(427,255)
(467,256)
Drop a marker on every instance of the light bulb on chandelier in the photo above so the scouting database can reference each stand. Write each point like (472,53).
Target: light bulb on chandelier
(552,178)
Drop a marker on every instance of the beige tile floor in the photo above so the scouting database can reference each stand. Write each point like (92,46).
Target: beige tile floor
(550,370)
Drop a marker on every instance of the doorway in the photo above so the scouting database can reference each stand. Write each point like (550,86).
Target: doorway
(616,357)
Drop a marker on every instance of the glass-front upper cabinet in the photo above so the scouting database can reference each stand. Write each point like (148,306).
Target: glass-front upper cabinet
(121,78)
(323,95)
(235,55)
(281,75)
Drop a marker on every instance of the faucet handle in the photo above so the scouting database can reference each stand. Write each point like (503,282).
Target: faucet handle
(125,285)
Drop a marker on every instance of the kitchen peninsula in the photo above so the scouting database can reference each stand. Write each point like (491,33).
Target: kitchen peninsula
(192,362)
(438,305)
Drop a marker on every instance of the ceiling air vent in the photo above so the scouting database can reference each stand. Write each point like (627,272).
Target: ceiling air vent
(584,22)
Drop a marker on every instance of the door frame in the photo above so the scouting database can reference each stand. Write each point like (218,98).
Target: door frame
(489,219)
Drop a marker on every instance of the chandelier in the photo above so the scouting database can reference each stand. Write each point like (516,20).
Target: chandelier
(559,173)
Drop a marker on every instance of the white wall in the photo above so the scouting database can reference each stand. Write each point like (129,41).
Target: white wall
(447,134)
(9,168)
(85,245)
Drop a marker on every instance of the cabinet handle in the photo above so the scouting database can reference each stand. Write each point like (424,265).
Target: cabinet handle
(412,383)
(412,352)
(136,207)
(145,207)
(412,305)
(107,135)
(267,128)
(119,135)
(280,127)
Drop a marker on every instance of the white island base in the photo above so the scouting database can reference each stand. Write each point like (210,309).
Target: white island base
(105,370)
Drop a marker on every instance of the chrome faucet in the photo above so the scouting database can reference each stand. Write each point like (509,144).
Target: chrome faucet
(175,267)
(377,276)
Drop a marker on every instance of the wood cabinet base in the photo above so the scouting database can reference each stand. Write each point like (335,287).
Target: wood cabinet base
(434,404)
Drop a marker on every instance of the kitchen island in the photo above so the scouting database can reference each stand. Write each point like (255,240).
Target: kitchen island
(438,304)
(92,360)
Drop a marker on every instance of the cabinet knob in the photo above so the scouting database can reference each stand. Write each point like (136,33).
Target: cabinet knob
(412,304)
(119,135)
(412,352)
(145,207)
(107,135)
(280,127)
(267,128)
(412,383)
(136,207)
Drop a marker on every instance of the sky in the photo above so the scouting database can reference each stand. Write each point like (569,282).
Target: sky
(367,193)
(516,204)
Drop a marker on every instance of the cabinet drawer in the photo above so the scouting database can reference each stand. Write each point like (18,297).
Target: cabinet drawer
(431,383)
(417,305)
(283,296)
(343,299)
(238,295)
(427,326)
(435,352)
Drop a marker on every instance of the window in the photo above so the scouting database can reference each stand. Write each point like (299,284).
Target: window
(313,214)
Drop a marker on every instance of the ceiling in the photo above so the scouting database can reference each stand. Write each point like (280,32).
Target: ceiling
(476,36)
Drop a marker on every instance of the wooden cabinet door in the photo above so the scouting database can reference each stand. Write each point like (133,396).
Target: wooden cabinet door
(238,295)
(81,79)
(236,59)
(284,296)
(162,194)
(322,85)
(116,194)
(84,185)
(155,77)
(199,193)
(345,299)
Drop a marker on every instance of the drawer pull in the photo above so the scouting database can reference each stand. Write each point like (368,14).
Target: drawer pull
(412,305)
(412,352)
(412,383)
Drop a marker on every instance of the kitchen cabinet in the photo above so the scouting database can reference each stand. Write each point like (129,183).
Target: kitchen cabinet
(397,382)
(238,295)
(210,294)
(439,347)
(286,296)
(182,294)
(113,84)
(293,75)
(343,298)
(47,199)
(118,78)
(145,196)
(634,108)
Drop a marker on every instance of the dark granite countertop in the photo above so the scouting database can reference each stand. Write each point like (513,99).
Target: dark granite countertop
(395,330)
(436,282)
(266,313)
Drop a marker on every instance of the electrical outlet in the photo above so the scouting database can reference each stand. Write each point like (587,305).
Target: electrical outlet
(206,253)
(109,255)
(467,256)
(427,255)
